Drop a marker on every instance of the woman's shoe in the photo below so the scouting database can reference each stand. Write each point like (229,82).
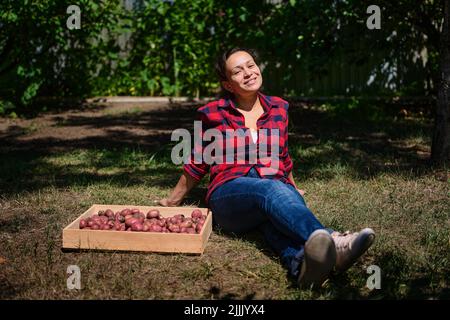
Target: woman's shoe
(318,261)
(351,246)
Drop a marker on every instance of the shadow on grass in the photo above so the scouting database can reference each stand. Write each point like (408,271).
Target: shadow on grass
(7,289)
(319,139)
(137,147)
(364,145)
(216,293)
(400,279)
(16,223)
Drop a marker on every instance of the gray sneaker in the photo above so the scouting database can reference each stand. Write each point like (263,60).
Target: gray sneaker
(351,246)
(319,259)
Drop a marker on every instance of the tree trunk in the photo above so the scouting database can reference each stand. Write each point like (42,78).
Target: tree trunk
(440,148)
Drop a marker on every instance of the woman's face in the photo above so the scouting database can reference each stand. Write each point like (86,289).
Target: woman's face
(243,74)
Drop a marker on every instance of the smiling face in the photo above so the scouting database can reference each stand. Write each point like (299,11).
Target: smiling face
(243,74)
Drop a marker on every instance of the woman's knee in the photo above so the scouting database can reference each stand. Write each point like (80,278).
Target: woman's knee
(278,191)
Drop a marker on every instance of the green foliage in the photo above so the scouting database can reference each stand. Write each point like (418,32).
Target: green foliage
(5,106)
(168,47)
(41,56)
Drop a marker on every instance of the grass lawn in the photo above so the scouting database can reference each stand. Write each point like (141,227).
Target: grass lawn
(357,170)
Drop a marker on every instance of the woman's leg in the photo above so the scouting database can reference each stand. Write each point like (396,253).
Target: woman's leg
(244,203)
(290,253)
(279,211)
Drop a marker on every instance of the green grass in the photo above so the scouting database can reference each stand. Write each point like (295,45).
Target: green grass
(373,179)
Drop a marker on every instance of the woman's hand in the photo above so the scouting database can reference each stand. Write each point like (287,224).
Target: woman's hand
(168,203)
(184,185)
(291,178)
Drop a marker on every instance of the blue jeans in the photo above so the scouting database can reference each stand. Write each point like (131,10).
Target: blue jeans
(274,207)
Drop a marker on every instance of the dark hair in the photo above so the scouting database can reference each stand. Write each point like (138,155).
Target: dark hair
(221,66)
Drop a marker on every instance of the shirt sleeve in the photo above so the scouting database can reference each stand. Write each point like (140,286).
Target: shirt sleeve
(285,158)
(196,166)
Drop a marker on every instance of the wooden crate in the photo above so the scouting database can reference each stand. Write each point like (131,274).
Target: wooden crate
(76,238)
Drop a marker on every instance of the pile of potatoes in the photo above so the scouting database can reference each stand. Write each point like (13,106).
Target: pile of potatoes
(135,220)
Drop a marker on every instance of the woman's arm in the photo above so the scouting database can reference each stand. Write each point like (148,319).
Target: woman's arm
(193,171)
(184,185)
(291,178)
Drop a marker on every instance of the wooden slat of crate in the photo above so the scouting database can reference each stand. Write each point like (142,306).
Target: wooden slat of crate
(76,238)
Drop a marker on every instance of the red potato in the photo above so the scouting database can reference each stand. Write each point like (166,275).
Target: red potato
(135,220)
(83,224)
(199,227)
(186,224)
(197,213)
(96,219)
(136,226)
(154,213)
(104,219)
(174,228)
(191,230)
(201,220)
(95,227)
(161,223)
(140,216)
(129,222)
(109,213)
(172,220)
(119,217)
(155,228)
(125,212)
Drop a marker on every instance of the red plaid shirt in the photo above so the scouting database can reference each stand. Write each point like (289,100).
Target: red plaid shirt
(223,115)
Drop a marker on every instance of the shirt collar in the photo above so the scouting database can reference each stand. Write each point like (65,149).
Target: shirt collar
(231,102)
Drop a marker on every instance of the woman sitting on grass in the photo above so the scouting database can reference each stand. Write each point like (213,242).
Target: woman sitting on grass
(244,196)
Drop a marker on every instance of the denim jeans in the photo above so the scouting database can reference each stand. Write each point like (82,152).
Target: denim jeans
(274,207)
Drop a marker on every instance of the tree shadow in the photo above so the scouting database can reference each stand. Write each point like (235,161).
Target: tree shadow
(317,139)
(368,147)
(400,279)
